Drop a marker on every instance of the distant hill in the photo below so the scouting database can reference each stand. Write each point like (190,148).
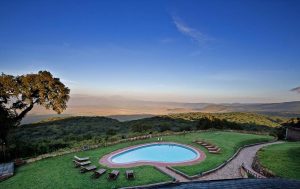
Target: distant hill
(285,109)
(130,117)
(125,109)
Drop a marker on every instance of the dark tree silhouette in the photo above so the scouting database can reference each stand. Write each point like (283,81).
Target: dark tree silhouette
(18,95)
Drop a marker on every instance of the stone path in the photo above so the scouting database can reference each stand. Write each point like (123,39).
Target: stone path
(229,171)
(232,169)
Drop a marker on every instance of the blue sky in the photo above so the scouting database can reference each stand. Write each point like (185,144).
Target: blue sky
(193,51)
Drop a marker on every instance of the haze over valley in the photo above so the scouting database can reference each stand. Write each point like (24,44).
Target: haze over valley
(124,109)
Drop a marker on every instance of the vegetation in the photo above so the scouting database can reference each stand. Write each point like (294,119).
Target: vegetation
(294,122)
(282,159)
(58,172)
(251,119)
(19,94)
(54,134)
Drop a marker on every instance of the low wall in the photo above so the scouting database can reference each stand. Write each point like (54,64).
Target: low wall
(260,169)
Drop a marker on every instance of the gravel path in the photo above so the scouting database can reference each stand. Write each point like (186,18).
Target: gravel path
(229,171)
(232,169)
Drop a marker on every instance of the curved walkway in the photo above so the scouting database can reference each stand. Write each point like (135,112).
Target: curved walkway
(232,169)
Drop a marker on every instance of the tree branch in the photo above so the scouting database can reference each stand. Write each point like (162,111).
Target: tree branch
(24,112)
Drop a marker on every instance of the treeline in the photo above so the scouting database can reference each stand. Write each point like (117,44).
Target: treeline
(44,137)
(294,122)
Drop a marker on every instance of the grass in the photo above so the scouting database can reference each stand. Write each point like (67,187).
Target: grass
(282,159)
(58,172)
(229,142)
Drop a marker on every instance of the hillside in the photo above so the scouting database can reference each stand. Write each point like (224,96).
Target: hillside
(236,117)
(284,109)
(63,132)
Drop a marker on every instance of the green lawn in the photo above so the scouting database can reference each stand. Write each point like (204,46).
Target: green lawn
(282,159)
(58,172)
(229,143)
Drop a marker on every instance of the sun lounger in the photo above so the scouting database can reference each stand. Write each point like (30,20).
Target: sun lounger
(98,173)
(129,174)
(214,151)
(200,142)
(113,175)
(88,168)
(205,144)
(210,146)
(79,164)
(81,159)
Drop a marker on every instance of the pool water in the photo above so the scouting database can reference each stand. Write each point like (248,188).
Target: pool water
(167,153)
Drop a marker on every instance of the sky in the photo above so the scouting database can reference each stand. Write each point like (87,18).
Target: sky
(185,51)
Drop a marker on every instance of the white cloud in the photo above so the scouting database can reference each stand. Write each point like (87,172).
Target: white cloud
(193,33)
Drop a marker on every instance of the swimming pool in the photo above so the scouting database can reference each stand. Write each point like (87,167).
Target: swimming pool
(163,153)
(168,153)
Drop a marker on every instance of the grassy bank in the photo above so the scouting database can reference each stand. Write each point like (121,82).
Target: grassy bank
(283,160)
(58,172)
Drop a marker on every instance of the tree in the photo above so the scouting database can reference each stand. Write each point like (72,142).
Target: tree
(19,94)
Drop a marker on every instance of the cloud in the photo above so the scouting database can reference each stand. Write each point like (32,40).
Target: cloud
(69,82)
(297,90)
(192,33)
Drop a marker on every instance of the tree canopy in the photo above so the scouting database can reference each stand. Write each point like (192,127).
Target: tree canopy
(19,94)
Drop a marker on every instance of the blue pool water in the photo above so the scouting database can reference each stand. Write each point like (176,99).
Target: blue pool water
(167,153)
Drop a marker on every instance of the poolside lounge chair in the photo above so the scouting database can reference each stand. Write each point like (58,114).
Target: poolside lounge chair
(213,148)
(83,163)
(87,168)
(98,173)
(81,159)
(206,144)
(129,174)
(113,175)
(200,141)
(214,151)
